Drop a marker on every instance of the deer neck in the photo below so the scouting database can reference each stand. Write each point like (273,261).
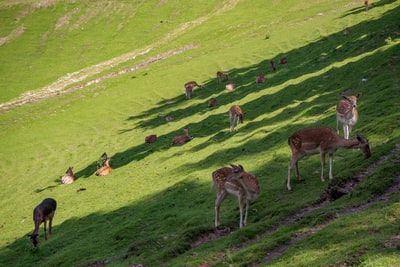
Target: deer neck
(347,143)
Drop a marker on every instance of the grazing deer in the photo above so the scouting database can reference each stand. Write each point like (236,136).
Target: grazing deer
(368,4)
(230,87)
(212,103)
(189,88)
(283,60)
(150,139)
(69,178)
(322,140)
(41,214)
(222,76)
(272,65)
(105,168)
(235,117)
(347,114)
(347,31)
(260,78)
(237,182)
(181,139)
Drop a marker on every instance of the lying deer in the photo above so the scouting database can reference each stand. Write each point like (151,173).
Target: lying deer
(221,77)
(322,140)
(283,60)
(347,114)
(235,117)
(181,139)
(69,178)
(41,214)
(212,103)
(260,78)
(189,88)
(150,139)
(236,182)
(105,168)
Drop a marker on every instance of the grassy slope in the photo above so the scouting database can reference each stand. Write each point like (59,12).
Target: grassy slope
(158,197)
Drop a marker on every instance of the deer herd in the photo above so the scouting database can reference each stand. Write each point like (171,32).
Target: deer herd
(234,179)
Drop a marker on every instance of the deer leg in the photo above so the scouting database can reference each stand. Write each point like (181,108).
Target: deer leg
(346,131)
(330,166)
(246,212)
(220,198)
(50,225)
(322,166)
(232,120)
(45,231)
(241,209)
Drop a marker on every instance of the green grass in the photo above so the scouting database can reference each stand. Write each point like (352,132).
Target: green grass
(158,199)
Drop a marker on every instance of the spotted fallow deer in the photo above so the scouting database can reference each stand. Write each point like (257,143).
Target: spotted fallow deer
(105,168)
(236,182)
(189,88)
(235,117)
(367,5)
(69,176)
(222,76)
(150,139)
(41,214)
(260,78)
(181,139)
(322,140)
(347,114)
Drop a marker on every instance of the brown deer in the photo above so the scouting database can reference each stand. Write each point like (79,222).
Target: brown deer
(347,31)
(69,178)
(235,117)
(367,5)
(181,139)
(41,214)
(322,140)
(105,166)
(283,60)
(236,182)
(230,87)
(347,114)
(260,78)
(222,76)
(212,103)
(189,88)
(150,139)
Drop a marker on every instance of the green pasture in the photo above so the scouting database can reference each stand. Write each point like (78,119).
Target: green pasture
(80,78)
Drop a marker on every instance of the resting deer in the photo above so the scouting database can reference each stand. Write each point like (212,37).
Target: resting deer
(189,88)
(212,103)
(221,77)
(41,214)
(105,168)
(150,139)
(236,182)
(181,139)
(69,178)
(347,114)
(322,140)
(283,60)
(235,117)
(260,78)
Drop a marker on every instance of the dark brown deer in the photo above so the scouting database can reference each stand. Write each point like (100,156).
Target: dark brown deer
(105,168)
(237,182)
(181,139)
(69,178)
(150,139)
(260,78)
(322,140)
(189,88)
(222,76)
(283,60)
(347,114)
(272,65)
(41,214)
(235,117)
(212,103)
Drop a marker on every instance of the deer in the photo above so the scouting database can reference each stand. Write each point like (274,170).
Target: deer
(182,139)
(260,78)
(41,214)
(237,182)
(235,117)
(70,177)
(367,5)
(105,167)
(347,114)
(222,76)
(189,88)
(150,139)
(272,65)
(322,140)
(283,60)
(212,103)
(230,87)
(347,31)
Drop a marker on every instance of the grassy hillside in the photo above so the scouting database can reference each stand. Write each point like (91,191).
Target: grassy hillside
(83,77)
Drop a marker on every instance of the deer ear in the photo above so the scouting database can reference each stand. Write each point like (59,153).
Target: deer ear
(241,167)
(359,137)
(358,95)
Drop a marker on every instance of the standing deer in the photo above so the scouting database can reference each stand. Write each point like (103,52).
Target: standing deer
(236,182)
(189,88)
(347,114)
(105,168)
(181,139)
(222,76)
(69,178)
(235,117)
(368,4)
(322,140)
(41,214)
(272,65)
(260,78)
